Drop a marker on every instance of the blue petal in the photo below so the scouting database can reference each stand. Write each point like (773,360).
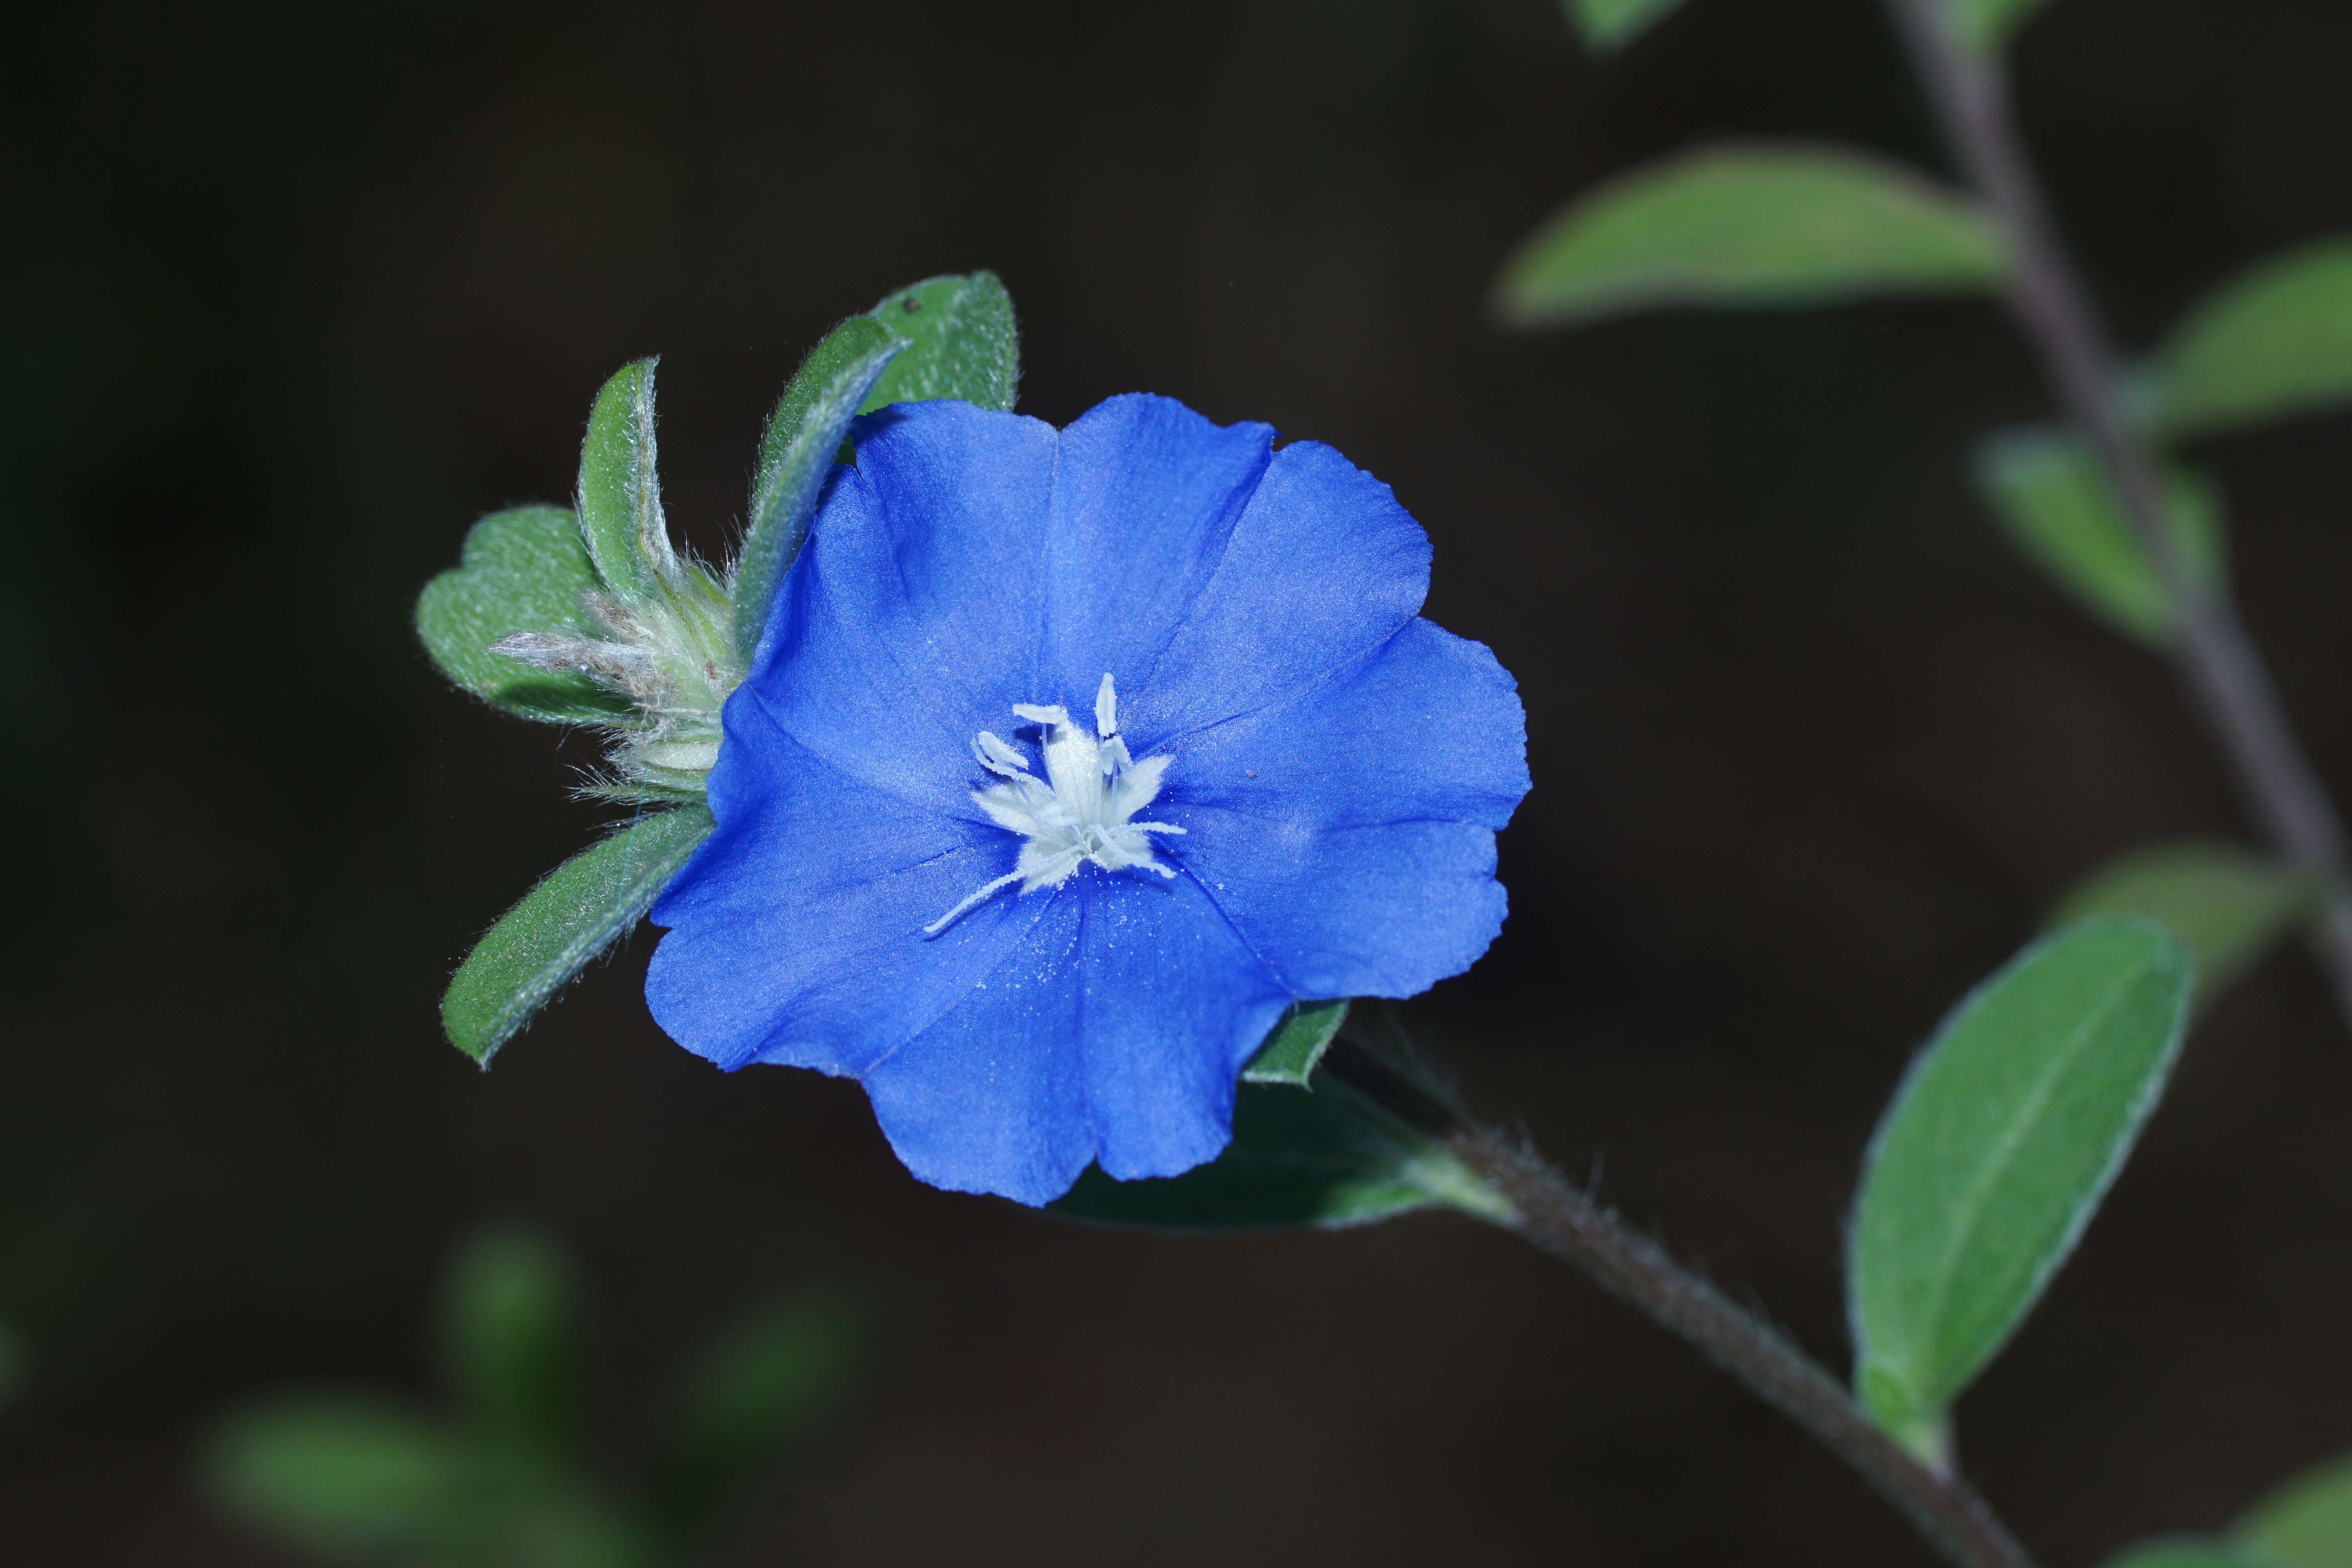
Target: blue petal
(1146,494)
(1112,1031)
(1321,568)
(1349,833)
(796,931)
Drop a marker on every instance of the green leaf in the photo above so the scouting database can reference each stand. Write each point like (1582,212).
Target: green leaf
(796,454)
(352,1478)
(2058,506)
(1327,1158)
(13,1358)
(759,1387)
(961,342)
(510,1336)
(522,571)
(577,911)
(1985,26)
(339,1476)
(1610,25)
(1295,1044)
(620,488)
(2274,341)
(1999,1145)
(1757,224)
(2185,1552)
(2306,1523)
(2226,905)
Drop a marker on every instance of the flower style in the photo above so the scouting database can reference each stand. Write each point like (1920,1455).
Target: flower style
(1025,974)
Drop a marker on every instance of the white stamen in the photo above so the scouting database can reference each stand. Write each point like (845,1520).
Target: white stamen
(1080,813)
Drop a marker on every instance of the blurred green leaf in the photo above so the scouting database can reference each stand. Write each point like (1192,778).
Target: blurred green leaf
(1986,26)
(510,1339)
(759,1385)
(1295,1044)
(522,571)
(341,1475)
(1749,224)
(2307,1522)
(1610,25)
(13,1361)
(2225,904)
(796,454)
(620,488)
(961,342)
(1998,1146)
(2057,505)
(1327,1158)
(577,911)
(2276,339)
(2186,1552)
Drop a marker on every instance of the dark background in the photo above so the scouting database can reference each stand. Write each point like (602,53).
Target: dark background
(286,298)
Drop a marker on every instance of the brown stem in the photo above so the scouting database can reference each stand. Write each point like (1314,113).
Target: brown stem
(1562,1220)
(2217,658)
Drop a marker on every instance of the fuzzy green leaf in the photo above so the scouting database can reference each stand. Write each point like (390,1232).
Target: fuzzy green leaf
(796,454)
(2273,341)
(522,571)
(2306,1523)
(1327,1158)
(1751,225)
(757,1389)
(1998,1146)
(1985,26)
(2226,905)
(620,488)
(1295,1044)
(962,342)
(1610,25)
(2057,505)
(577,911)
(510,1334)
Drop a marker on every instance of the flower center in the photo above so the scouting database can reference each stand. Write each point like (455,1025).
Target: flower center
(1079,813)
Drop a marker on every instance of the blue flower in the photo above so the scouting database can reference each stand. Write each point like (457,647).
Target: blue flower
(1069,760)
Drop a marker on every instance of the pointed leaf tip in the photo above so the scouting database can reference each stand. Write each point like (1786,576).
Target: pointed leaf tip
(620,487)
(1297,1044)
(961,342)
(576,912)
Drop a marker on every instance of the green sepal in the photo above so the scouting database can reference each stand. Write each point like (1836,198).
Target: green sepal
(510,1338)
(1751,225)
(962,342)
(2225,904)
(1998,1146)
(1296,1043)
(620,488)
(2306,1523)
(1608,26)
(2054,501)
(803,438)
(1327,1158)
(762,1385)
(577,911)
(2273,341)
(521,570)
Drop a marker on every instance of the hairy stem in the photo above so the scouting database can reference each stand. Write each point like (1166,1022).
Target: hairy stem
(1564,1221)
(2217,658)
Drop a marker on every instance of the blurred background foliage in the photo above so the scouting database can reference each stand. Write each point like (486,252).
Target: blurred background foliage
(289,298)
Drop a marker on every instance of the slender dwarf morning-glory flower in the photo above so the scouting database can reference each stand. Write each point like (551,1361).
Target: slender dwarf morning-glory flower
(1068,760)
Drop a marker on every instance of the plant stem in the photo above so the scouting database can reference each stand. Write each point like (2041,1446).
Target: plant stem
(1559,1218)
(2217,658)
(1566,1222)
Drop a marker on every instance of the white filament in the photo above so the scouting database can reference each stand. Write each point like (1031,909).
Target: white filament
(1079,813)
